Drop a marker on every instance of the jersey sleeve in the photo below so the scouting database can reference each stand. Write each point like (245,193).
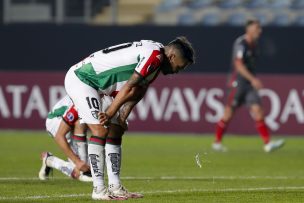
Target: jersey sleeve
(239,51)
(70,116)
(149,63)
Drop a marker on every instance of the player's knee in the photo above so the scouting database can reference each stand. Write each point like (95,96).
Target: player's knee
(228,115)
(98,130)
(116,131)
(258,114)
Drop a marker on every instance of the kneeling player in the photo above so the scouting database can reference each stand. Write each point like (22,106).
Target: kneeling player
(65,127)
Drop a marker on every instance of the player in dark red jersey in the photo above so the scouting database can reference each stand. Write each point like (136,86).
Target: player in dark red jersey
(243,86)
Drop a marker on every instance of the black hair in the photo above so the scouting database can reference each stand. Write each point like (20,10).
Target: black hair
(185,48)
(251,22)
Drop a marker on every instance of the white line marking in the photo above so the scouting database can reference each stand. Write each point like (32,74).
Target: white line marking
(162,192)
(44,196)
(226,190)
(173,178)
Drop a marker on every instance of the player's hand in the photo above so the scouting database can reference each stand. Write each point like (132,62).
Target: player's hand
(104,119)
(82,166)
(257,84)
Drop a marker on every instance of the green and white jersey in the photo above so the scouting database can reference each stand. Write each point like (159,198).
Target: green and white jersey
(109,69)
(63,110)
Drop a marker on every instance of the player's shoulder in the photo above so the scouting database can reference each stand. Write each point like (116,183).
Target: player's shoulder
(150,44)
(240,40)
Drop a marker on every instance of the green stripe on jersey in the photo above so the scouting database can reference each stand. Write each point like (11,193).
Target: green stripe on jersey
(57,112)
(103,80)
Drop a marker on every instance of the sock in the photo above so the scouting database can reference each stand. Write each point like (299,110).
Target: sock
(113,160)
(221,127)
(61,165)
(80,145)
(263,130)
(96,150)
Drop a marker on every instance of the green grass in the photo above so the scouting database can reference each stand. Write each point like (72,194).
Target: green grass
(163,168)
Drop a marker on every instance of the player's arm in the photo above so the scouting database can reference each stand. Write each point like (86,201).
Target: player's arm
(62,142)
(136,86)
(132,92)
(242,69)
(127,108)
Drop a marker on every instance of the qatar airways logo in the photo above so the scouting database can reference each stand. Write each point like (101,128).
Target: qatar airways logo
(21,101)
(207,105)
(281,110)
(200,106)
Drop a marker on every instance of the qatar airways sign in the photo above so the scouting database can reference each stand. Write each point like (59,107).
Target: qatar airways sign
(181,103)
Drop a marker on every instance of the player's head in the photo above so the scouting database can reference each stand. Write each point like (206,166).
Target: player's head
(253,29)
(178,55)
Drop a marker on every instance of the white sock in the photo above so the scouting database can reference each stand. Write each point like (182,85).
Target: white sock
(113,161)
(80,145)
(97,162)
(61,165)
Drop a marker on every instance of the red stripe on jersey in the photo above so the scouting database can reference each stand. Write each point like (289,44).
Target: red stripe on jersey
(71,116)
(152,63)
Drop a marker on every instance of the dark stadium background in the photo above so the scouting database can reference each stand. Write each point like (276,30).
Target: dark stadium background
(50,45)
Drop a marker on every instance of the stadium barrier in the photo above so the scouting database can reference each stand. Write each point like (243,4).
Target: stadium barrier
(181,103)
(51,47)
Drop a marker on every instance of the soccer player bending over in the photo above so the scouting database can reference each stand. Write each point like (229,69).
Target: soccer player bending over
(243,86)
(123,72)
(64,126)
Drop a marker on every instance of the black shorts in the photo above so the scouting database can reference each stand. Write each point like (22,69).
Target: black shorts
(242,94)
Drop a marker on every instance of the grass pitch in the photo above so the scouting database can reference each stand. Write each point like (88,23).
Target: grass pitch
(163,168)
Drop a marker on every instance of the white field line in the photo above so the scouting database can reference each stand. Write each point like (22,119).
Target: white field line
(161,192)
(174,178)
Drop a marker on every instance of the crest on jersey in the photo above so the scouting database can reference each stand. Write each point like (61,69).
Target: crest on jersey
(70,116)
(95,114)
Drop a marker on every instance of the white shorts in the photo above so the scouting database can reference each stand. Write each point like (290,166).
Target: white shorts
(86,99)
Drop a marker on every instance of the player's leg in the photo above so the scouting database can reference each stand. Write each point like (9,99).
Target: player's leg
(87,102)
(257,113)
(235,98)
(113,161)
(113,154)
(51,126)
(65,167)
(79,141)
(221,126)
